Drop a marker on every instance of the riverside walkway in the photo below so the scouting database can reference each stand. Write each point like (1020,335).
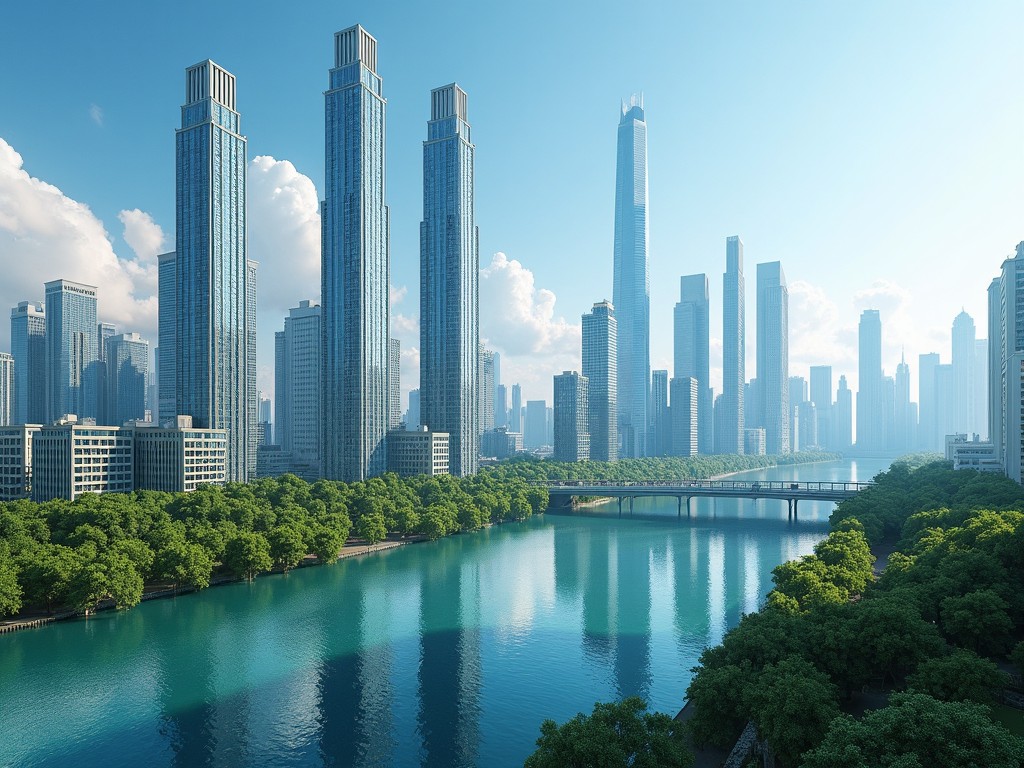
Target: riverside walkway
(791,492)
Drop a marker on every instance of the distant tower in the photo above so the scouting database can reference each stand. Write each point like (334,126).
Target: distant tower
(773,355)
(212,327)
(842,417)
(683,435)
(870,411)
(394,383)
(692,349)
(485,401)
(72,350)
(600,360)
(6,389)
(928,413)
(571,435)
(631,290)
(732,438)
(451,390)
(28,346)
(298,382)
(167,322)
(516,415)
(658,432)
(821,396)
(963,373)
(354,265)
(127,370)
(905,427)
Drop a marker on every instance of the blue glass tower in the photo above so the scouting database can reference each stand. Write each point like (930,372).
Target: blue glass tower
(72,350)
(631,292)
(449,281)
(354,269)
(213,356)
(28,346)
(729,438)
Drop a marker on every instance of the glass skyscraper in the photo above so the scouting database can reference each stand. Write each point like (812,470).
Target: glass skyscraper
(734,349)
(127,370)
(298,427)
(213,349)
(600,358)
(692,343)
(28,347)
(870,410)
(354,273)
(72,350)
(631,292)
(773,355)
(166,350)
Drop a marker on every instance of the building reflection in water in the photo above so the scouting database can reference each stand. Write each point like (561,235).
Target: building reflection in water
(633,627)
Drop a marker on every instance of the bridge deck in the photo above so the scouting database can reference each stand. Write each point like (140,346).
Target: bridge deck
(756,489)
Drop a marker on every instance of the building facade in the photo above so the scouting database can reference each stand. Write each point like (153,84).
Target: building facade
(685,431)
(127,371)
(70,459)
(821,396)
(631,288)
(214,331)
(28,347)
(179,458)
(418,452)
(870,410)
(572,435)
(299,386)
(600,366)
(16,461)
(692,344)
(355,264)
(7,373)
(72,350)
(773,355)
(167,345)
(731,419)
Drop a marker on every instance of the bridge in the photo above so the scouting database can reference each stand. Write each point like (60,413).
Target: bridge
(791,492)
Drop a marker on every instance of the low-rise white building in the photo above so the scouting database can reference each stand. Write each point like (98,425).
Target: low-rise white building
(421,452)
(69,459)
(180,457)
(16,461)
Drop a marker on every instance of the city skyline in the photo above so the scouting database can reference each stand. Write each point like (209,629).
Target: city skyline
(812,301)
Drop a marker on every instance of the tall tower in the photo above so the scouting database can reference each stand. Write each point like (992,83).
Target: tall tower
(659,432)
(870,411)
(773,355)
(515,420)
(451,395)
(486,390)
(571,434)
(394,383)
(963,373)
(72,350)
(167,347)
(600,360)
(127,370)
(631,290)
(28,347)
(905,426)
(692,344)
(733,350)
(6,389)
(821,396)
(212,343)
(842,417)
(298,424)
(354,269)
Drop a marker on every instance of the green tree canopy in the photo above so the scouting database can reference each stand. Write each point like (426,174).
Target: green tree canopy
(248,554)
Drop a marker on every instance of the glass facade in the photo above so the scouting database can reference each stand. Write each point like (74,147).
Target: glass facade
(730,438)
(692,342)
(354,273)
(572,438)
(297,351)
(127,361)
(600,360)
(773,355)
(72,350)
(214,346)
(167,329)
(452,396)
(28,347)
(631,292)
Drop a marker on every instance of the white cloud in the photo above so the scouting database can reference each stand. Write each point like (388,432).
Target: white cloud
(518,320)
(45,235)
(96,114)
(143,235)
(816,335)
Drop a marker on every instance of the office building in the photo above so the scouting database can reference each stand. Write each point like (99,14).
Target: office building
(299,387)
(691,341)
(179,458)
(945,402)
(453,390)
(499,443)
(72,350)
(980,416)
(842,417)
(515,416)
(571,433)
(600,367)
(870,411)
(394,383)
(821,395)
(166,351)
(16,461)
(251,394)
(964,339)
(659,441)
(6,389)
(773,355)
(731,438)
(69,459)
(412,419)
(631,288)
(354,265)
(536,432)
(683,438)
(127,371)
(754,441)
(418,452)
(214,334)
(28,347)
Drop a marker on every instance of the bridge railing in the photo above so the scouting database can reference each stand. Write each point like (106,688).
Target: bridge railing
(748,486)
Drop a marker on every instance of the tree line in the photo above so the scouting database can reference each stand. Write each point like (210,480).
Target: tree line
(74,555)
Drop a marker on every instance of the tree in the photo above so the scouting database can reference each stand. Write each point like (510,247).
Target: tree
(916,730)
(10,589)
(792,704)
(371,527)
(960,676)
(1017,656)
(247,554)
(111,576)
(185,564)
(978,620)
(620,734)
(327,544)
(717,696)
(286,546)
(47,578)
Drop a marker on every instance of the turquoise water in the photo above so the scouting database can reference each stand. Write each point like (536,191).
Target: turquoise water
(440,654)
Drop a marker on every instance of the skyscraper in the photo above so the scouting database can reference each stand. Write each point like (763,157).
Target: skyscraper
(905,426)
(683,434)
(212,335)
(104,332)
(452,393)
(516,412)
(842,417)
(821,396)
(870,411)
(252,399)
(631,290)
(72,350)
(600,361)
(963,373)
(299,425)
(773,355)
(28,347)
(659,430)
(692,345)
(980,415)
(571,435)
(6,389)
(394,383)
(127,370)
(485,401)
(167,324)
(536,426)
(354,269)
(731,439)
(412,421)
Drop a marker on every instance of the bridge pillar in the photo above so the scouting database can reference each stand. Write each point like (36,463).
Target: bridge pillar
(631,505)
(679,507)
(790,503)
(688,498)
(796,502)
(620,506)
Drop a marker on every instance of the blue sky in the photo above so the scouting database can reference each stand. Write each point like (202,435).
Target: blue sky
(874,148)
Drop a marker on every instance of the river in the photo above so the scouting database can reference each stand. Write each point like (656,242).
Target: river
(440,654)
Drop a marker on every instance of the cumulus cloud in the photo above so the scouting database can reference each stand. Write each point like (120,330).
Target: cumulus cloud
(405,326)
(816,335)
(45,235)
(518,320)
(96,114)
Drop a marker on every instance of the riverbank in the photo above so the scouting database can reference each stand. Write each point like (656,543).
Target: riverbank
(352,548)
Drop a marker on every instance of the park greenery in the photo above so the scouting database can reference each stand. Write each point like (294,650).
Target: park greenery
(102,549)
(917,650)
